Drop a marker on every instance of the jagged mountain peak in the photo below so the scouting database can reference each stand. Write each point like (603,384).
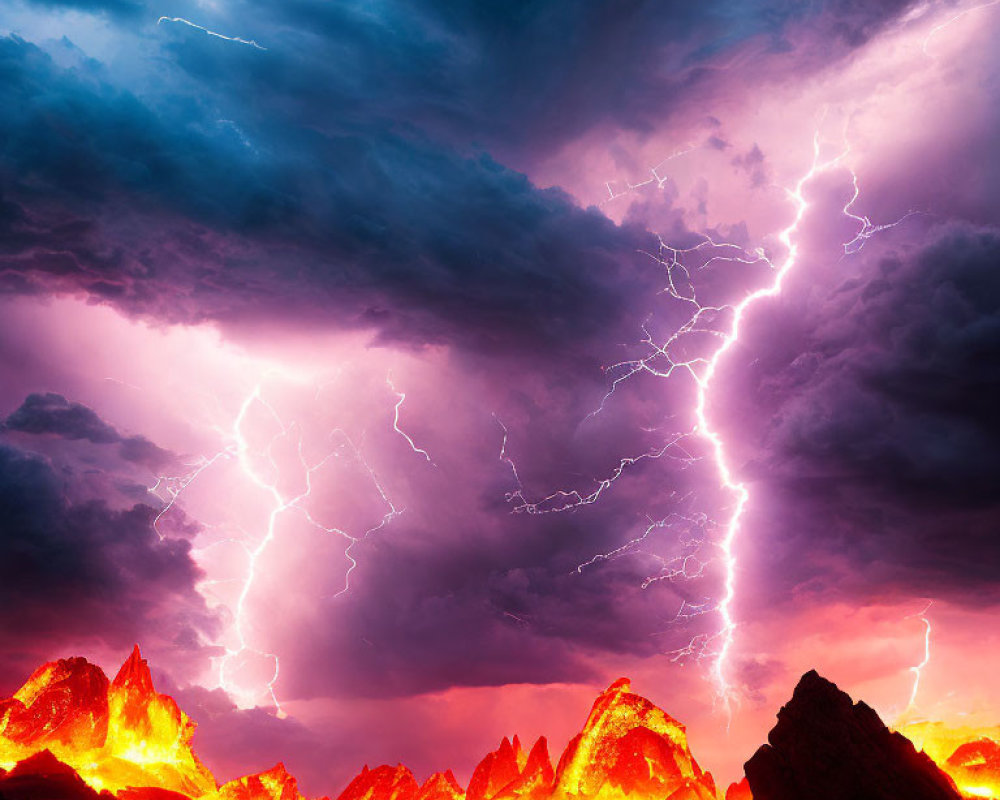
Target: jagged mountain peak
(827,747)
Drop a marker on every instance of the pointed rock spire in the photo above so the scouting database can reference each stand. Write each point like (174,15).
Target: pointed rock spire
(826,747)
(629,744)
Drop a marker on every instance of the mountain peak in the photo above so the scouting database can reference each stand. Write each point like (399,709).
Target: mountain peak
(134,674)
(441,786)
(827,747)
(630,744)
(384,783)
(273,784)
(63,702)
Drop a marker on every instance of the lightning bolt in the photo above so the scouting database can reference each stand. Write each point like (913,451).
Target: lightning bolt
(569,499)
(239,448)
(661,361)
(190,24)
(400,397)
(654,176)
(172,486)
(951,21)
(866,228)
(918,669)
(705,428)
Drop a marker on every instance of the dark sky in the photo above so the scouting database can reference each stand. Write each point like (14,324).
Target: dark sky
(351,356)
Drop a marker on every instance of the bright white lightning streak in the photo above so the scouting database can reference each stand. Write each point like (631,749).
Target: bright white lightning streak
(947,23)
(174,485)
(191,24)
(566,500)
(388,517)
(918,669)
(661,363)
(169,489)
(401,396)
(681,567)
(281,505)
(655,176)
(867,229)
(704,426)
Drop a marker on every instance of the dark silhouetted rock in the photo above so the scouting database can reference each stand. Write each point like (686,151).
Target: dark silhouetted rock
(826,747)
(44,777)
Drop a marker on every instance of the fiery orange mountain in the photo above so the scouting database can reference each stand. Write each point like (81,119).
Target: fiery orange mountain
(76,735)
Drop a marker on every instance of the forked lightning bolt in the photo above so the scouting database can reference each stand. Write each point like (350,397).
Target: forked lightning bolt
(170,488)
(661,361)
(711,434)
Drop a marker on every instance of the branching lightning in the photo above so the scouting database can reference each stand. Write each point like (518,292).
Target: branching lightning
(569,499)
(654,176)
(661,360)
(714,438)
(170,488)
(867,229)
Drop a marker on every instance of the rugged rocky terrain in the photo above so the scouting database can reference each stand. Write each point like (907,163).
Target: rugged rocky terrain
(71,734)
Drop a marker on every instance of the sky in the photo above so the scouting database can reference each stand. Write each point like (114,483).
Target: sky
(353,354)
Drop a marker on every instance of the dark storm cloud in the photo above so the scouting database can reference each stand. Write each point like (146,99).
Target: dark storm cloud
(457,592)
(332,180)
(343,178)
(531,76)
(883,441)
(124,8)
(51,413)
(381,230)
(84,571)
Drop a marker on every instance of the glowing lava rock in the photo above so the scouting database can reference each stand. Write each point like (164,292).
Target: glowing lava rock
(115,736)
(274,784)
(441,786)
(382,783)
(508,773)
(629,747)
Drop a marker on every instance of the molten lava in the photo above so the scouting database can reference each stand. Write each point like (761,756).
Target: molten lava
(118,735)
(971,756)
(69,725)
(630,746)
(70,733)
